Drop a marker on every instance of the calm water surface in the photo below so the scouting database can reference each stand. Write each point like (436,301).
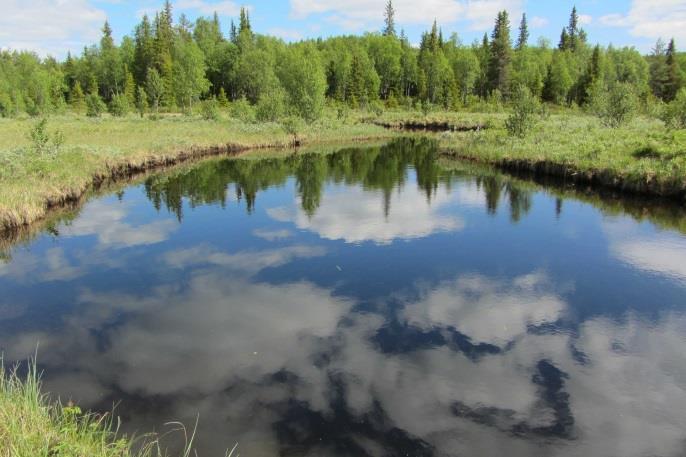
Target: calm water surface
(376,301)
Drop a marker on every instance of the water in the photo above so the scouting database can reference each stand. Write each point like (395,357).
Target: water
(378,301)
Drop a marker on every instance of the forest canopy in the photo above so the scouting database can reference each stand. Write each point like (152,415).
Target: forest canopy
(171,65)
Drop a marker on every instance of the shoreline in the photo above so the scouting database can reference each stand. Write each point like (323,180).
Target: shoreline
(532,169)
(567,147)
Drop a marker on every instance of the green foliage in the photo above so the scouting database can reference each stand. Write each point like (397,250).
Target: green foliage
(292,125)
(31,425)
(242,110)
(154,87)
(77,99)
(501,55)
(94,105)
(616,105)
(271,105)
(304,82)
(119,106)
(525,110)
(181,63)
(209,109)
(141,101)
(674,113)
(221,98)
(44,143)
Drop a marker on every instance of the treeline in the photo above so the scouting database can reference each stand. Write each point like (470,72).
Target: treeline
(170,66)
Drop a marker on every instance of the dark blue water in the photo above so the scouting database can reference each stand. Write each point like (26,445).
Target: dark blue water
(373,301)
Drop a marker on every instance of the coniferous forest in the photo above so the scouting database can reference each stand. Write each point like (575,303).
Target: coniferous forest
(169,64)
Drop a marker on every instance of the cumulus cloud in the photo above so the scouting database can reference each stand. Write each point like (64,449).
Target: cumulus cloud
(358,14)
(659,253)
(488,311)
(652,19)
(49,27)
(106,220)
(357,215)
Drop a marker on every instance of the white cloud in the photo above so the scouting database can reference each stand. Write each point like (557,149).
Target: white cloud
(661,253)
(488,311)
(652,19)
(538,22)
(360,14)
(356,215)
(107,222)
(49,27)
(286,34)
(585,19)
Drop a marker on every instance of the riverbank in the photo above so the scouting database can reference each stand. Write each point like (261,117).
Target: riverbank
(642,157)
(98,150)
(31,425)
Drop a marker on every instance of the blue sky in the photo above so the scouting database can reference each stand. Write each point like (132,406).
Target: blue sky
(56,26)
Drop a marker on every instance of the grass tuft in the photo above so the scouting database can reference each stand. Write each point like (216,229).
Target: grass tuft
(32,426)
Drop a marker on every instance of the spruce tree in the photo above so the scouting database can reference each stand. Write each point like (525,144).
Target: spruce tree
(143,51)
(244,24)
(573,30)
(129,87)
(564,41)
(501,55)
(233,33)
(591,78)
(673,81)
(523,37)
(141,101)
(658,70)
(77,98)
(389,20)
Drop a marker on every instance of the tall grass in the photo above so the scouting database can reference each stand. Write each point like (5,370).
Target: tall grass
(96,148)
(33,426)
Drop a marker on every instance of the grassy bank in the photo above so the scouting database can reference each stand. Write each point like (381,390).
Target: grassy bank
(96,150)
(31,426)
(642,157)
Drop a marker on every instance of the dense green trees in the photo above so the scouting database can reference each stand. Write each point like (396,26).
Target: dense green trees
(170,65)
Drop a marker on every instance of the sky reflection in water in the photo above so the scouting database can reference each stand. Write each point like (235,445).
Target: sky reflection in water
(371,301)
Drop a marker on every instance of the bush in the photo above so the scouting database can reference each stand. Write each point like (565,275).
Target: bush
(94,105)
(242,110)
(43,143)
(615,106)
(525,111)
(293,125)
(209,109)
(119,106)
(271,106)
(376,107)
(674,114)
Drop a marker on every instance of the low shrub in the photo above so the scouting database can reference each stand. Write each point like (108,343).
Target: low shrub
(674,113)
(242,110)
(615,106)
(44,143)
(119,106)
(209,109)
(526,110)
(94,105)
